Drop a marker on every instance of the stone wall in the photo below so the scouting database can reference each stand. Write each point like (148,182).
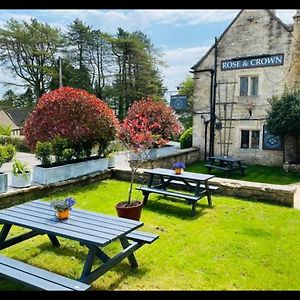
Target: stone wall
(270,193)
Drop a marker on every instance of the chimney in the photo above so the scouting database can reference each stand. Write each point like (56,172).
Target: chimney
(294,73)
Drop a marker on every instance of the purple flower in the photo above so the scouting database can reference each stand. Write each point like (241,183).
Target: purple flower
(179,165)
(63,204)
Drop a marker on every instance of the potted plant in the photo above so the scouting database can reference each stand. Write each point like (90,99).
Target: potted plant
(21,174)
(137,139)
(178,167)
(6,154)
(75,122)
(63,207)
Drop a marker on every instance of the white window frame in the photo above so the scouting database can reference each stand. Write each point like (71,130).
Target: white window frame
(250,139)
(249,85)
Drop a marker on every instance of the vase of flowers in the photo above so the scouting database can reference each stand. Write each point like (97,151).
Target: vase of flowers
(179,167)
(63,207)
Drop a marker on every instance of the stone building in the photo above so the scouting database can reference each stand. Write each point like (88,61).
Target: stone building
(253,59)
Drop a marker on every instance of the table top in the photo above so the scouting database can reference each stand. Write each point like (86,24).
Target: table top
(84,226)
(225,158)
(185,175)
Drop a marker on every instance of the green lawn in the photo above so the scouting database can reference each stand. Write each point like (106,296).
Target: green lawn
(255,173)
(235,245)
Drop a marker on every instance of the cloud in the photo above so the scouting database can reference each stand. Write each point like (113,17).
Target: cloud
(180,61)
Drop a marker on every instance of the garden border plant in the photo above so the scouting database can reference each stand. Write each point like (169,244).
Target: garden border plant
(66,125)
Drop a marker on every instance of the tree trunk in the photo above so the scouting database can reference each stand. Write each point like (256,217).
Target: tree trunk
(291,148)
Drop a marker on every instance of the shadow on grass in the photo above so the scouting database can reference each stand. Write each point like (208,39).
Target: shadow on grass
(123,271)
(169,207)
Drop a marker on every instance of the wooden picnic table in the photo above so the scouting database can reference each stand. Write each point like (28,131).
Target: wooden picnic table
(227,164)
(90,229)
(194,182)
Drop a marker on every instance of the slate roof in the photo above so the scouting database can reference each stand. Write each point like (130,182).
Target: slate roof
(17,114)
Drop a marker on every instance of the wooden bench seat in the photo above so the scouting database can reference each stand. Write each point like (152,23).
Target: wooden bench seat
(149,190)
(217,167)
(37,278)
(142,237)
(212,188)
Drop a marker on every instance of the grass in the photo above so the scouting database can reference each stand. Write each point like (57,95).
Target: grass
(254,173)
(235,245)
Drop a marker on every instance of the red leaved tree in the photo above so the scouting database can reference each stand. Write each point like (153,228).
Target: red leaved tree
(72,114)
(161,117)
(148,124)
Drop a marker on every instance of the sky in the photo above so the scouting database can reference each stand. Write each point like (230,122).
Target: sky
(183,36)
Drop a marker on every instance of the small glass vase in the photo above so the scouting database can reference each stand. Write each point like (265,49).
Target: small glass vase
(63,214)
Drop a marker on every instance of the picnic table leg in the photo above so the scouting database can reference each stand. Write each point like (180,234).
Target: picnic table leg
(194,208)
(146,194)
(54,240)
(4,232)
(88,263)
(131,257)
(208,193)
(5,243)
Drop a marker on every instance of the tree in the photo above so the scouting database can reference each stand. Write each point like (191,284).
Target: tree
(283,119)
(78,43)
(187,88)
(25,100)
(28,50)
(137,75)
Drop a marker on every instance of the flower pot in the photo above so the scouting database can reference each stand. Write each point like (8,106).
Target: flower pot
(19,180)
(111,162)
(133,211)
(63,214)
(178,170)
(3,182)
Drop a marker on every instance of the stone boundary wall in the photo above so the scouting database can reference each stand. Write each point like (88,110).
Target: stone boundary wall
(271,193)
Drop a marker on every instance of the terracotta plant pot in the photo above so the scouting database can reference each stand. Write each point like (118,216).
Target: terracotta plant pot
(132,212)
(63,214)
(178,170)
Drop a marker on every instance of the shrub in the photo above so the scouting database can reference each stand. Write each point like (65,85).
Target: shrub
(7,152)
(17,141)
(186,139)
(161,118)
(72,114)
(43,152)
(5,130)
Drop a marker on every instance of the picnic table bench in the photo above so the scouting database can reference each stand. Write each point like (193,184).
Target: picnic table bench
(37,278)
(227,164)
(90,229)
(166,177)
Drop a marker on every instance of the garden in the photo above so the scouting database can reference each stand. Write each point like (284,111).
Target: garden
(233,245)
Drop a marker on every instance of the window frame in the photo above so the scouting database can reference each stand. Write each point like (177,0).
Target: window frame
(249,85)
(250,139)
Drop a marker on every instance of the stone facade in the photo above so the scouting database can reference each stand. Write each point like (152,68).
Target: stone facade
(252,34)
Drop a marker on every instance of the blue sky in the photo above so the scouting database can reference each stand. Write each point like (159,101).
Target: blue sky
(183,35)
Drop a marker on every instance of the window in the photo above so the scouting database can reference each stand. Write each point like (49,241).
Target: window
(250,139)
(248,86)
